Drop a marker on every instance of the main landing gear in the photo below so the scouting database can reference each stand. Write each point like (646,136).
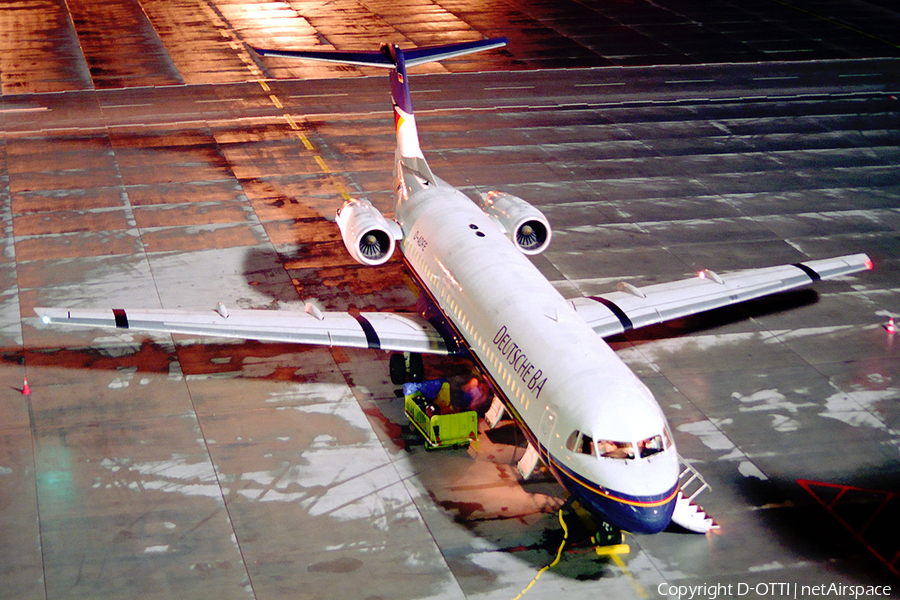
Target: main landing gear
(406,364)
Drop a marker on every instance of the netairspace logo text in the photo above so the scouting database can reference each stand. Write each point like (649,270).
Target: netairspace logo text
(771,590)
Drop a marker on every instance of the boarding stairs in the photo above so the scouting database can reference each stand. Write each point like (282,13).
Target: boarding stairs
(689,514)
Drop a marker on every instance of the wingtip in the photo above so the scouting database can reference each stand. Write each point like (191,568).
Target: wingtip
(44,315)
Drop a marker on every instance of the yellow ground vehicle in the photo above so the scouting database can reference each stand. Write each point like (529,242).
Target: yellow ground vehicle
(427,404)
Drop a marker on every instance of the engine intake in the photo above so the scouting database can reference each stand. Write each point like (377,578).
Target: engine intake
(368,236)
(522,223)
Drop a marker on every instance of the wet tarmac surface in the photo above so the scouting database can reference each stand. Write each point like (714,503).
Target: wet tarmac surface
(57,45)
(160,466)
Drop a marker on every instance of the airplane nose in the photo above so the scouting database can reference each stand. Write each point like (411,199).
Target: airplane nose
(634,516)
(649,519)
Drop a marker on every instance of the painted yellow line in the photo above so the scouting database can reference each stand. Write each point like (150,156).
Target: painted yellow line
(276,101)
(343,191)
(305,141)
(638,588)
(322,164)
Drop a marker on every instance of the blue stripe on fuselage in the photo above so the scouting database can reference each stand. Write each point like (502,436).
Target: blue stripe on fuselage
(637,514)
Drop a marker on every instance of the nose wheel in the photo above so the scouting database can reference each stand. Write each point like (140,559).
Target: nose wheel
(408,364)
(606,538)
(607,535)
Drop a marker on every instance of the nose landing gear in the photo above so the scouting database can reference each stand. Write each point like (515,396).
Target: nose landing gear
(607,539)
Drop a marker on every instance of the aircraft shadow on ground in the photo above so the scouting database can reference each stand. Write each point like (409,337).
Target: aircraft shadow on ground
(860,527)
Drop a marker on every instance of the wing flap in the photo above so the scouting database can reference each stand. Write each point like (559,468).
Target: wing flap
(633,308)
(385,331)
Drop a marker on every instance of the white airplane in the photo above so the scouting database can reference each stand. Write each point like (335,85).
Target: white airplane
(592,422)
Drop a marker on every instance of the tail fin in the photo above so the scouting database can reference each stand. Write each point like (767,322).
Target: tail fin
(392,57)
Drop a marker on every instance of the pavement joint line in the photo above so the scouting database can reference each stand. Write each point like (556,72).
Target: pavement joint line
(181,123)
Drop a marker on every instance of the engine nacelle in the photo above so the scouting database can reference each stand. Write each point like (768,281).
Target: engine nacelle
(368,236)
(523,224)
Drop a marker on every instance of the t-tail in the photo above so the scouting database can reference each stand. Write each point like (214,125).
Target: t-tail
(392,57)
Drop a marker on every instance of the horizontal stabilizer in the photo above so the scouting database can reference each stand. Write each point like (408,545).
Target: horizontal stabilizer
(633,307)
(385,331)
(421,56)
(408,154)
(363,59)
(413,57)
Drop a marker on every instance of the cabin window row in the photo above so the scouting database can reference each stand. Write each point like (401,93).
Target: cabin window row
(581,443)
(463,320)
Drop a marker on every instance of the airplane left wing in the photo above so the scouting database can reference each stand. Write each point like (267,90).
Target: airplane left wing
(632,308)
(397,332)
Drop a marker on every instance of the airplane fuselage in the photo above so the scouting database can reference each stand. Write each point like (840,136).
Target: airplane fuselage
(558,379)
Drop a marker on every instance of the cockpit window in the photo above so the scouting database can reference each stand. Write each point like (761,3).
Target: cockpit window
(651,446)
(654,444)
(581,443)
(611,449)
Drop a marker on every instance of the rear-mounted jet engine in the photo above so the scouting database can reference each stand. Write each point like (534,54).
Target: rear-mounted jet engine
(368,236)
(522,223)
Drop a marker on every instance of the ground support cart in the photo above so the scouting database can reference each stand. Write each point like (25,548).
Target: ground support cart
(442,430)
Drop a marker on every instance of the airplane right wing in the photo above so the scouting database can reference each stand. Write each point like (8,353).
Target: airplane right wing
(397,332)
(633,307)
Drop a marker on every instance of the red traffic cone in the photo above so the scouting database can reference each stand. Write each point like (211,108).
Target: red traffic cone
(25,389)
(890,325)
